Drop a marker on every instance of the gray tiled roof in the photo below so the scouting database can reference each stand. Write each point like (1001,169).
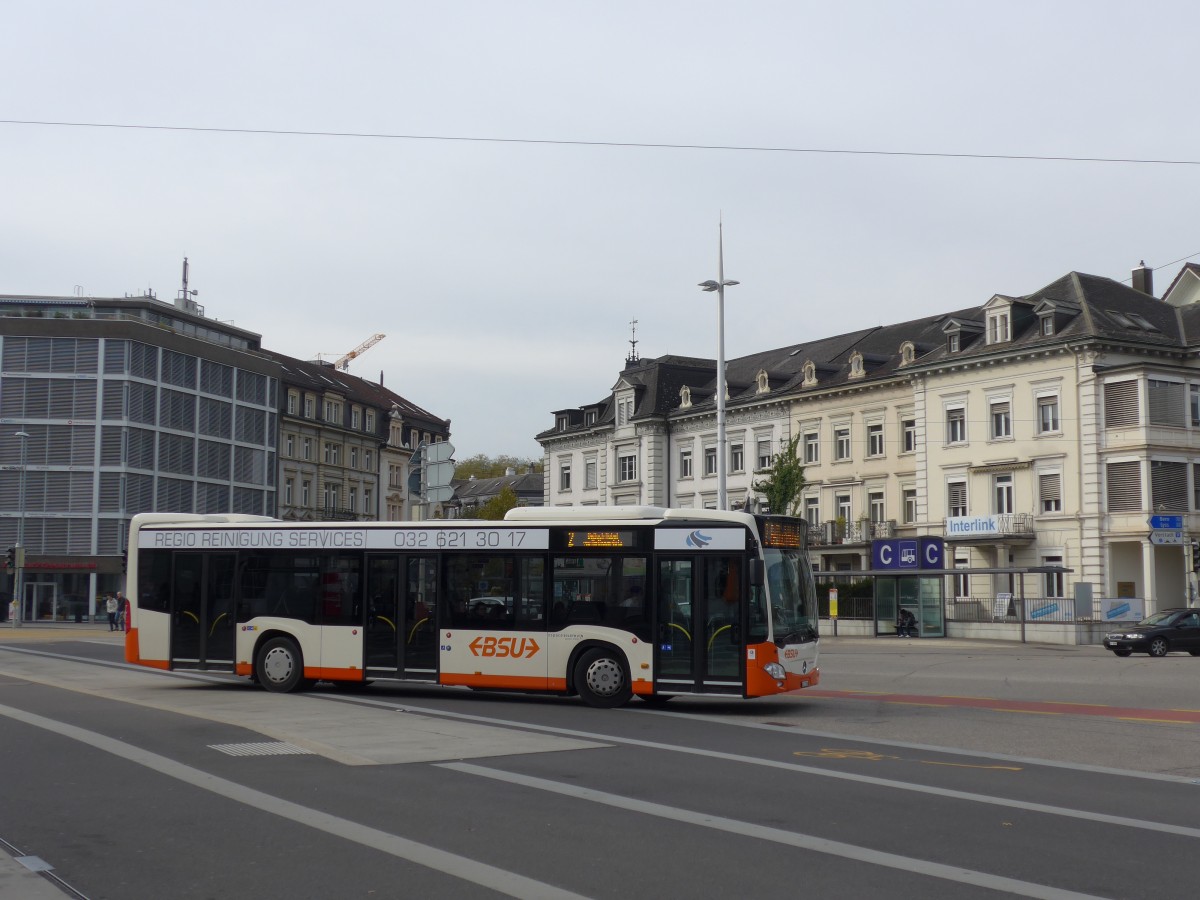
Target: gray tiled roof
(322,377)
(1084,306)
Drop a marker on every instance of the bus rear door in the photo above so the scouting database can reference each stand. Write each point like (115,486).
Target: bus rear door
(401,625)
(203,625)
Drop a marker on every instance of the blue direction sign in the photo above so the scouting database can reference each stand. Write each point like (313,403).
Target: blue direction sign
(1170,523)
(1166,537)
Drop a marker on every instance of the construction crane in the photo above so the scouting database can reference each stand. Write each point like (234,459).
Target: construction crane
(344,363)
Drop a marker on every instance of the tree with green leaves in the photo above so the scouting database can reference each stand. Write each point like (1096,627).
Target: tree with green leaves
(483,466)
(496,507)
(784,481)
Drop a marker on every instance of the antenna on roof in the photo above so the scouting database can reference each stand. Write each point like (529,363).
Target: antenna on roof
(186,299)
(633,354)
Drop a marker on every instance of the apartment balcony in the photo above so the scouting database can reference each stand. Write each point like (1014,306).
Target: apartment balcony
(837,531)
(336,514)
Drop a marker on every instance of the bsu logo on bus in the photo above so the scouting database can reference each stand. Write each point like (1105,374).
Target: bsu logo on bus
(505,647)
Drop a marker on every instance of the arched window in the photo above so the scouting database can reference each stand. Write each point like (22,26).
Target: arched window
(856,365)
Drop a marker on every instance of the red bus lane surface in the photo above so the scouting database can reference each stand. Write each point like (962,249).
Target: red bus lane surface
(1032,707)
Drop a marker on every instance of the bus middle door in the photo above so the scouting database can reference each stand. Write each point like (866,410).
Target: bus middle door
(401,631)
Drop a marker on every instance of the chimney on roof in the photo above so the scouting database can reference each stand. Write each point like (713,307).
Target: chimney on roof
(1143,279)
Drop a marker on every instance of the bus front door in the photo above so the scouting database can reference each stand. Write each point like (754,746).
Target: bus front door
(700,642)
(203,624)
(401,626)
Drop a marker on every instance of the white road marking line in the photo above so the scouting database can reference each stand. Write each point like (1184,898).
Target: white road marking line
(907,864)
(497,879)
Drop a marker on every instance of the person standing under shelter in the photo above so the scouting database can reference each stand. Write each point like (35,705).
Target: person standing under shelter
(111,608)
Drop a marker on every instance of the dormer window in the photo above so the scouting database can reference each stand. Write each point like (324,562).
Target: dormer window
(561,423)
(953,345)
(810,373)
(856,365)
(999,329)
(624,411)
(764,383)
(1046,326)
(908,353)
(685,397)
(589,417)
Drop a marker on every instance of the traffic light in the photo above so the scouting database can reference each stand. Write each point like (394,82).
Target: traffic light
(10,558)
(1196,556)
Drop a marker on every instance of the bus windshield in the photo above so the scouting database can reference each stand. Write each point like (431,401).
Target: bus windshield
(793,596)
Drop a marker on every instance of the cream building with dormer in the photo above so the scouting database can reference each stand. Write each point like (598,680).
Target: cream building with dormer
(1039,430)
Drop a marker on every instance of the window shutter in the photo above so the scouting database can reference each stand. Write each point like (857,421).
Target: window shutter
(1168,485)
(1124,486)
(1166,402)
(1121,404)
(1050,489)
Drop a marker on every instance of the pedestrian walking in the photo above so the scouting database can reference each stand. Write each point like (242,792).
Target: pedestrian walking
(111,609)
(122,611)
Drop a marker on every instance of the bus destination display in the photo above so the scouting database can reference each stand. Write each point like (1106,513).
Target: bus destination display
(778,534)
(599,539)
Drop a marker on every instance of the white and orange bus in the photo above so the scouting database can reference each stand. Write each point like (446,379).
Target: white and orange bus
(603,602)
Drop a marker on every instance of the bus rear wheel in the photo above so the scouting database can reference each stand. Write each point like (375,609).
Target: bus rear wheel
(280,667)
(602,679)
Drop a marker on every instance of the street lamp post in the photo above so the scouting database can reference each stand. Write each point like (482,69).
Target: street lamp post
(719,286)
(19,577)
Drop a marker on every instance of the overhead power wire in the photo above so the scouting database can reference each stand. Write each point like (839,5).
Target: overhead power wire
(631,144)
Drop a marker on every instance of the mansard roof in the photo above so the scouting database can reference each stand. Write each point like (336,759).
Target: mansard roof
(1084,307)
(319,376)
(1089,306)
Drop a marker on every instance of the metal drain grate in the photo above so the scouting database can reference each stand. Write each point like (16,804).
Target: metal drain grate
(262,748)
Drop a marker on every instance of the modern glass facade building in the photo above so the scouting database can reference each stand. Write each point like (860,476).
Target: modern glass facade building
(114,407)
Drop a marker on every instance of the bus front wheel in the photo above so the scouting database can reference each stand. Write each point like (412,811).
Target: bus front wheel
(602,679)
(280,667)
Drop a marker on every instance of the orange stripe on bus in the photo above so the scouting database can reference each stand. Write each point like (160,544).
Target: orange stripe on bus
(131,646)
(324,674)
(509,682)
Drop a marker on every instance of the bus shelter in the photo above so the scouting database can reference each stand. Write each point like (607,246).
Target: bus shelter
(922,593)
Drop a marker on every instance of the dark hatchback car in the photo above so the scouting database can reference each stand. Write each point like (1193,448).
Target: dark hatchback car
(1159,634)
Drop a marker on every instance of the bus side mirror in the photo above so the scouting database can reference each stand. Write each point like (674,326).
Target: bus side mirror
(756,573)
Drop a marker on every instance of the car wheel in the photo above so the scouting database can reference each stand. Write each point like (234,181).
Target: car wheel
(602,679)
(1159,647)
(1123,652)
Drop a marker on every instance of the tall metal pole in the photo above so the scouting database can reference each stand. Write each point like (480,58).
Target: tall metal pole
(722,498)
(19,577)
(719,286)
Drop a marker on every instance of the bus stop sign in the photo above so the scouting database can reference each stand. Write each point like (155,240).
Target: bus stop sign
(912,554)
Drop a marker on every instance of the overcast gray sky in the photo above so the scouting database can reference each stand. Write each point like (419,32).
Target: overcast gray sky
(505,275)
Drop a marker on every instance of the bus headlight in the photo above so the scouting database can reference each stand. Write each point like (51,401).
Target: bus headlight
(775,670)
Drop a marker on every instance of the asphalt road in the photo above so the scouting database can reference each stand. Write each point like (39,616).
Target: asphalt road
(917,769)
